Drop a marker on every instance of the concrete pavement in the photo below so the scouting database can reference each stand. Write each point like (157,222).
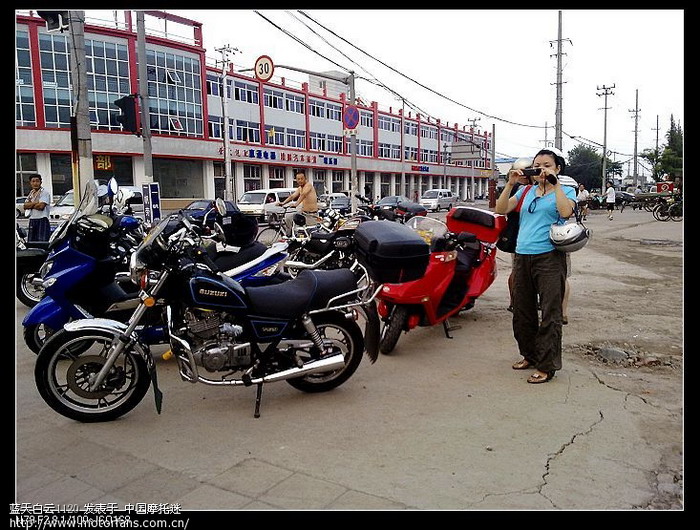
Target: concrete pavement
(439,425)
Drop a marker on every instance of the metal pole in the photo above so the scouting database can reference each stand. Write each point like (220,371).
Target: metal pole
(230,180)
(83,143)
(557,133)
(606,92)
(403,169)
(353,152)
(444,165)
(143,96)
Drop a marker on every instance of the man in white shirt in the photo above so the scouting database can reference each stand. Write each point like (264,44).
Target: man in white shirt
(37,209)
(582,200)
(610,200)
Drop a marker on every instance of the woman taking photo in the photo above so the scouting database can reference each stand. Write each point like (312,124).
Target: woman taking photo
(539,270)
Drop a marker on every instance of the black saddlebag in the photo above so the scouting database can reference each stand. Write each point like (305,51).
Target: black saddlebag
(391,252)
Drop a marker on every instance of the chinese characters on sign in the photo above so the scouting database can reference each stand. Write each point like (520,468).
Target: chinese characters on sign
(103,162)
(284,157)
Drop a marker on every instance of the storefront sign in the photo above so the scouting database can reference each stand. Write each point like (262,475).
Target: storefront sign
(102,162)
(425,169)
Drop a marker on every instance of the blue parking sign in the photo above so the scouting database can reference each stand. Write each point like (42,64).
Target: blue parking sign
(151,202)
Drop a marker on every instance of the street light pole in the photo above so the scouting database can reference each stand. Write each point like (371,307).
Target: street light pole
(230,182)
(607,90)
(444,165)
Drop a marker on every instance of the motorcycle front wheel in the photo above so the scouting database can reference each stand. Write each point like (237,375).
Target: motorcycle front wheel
(63,377)
(28,293)
(36,335)
(345,337)
(392,329)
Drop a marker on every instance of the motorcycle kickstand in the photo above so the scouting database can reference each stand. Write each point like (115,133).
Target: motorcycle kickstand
(446,326)
(258,399)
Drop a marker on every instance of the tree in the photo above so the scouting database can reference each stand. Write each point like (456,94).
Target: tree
(672,155)
(653,156)
(585,166)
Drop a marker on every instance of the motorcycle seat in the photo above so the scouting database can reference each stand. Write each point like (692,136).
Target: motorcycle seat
(311,289)
(227,260)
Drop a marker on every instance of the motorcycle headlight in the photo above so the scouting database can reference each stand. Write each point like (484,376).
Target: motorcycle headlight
(45,268)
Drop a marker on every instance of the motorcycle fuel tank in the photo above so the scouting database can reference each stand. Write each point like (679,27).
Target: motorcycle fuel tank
(216,292)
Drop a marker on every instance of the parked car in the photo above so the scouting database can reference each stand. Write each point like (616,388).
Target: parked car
(253,202)
(336,201)
(199,208)
(65,206)
(19,206)
(438,198)
(392,202)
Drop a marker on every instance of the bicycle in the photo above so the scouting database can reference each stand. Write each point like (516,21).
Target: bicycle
(276,230)
(676,211)
(661,211)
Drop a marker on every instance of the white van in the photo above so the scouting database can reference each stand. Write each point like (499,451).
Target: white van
(253,202)
(437,198)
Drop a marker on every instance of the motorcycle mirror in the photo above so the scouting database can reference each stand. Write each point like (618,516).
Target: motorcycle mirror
(112,187)
(220,206)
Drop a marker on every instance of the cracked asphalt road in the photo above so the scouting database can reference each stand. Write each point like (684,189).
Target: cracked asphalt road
(438,425)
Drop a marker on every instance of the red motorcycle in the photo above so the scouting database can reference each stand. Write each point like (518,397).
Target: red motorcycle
(462,266)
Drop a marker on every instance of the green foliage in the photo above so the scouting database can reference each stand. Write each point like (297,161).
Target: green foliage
(672,155)
(585,166)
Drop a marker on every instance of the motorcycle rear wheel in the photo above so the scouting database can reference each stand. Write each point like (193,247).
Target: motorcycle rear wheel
(62,377)
(344,335)
(392,329)
(28,293)
(268,236)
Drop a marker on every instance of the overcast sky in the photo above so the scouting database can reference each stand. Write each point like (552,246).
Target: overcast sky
(495,65)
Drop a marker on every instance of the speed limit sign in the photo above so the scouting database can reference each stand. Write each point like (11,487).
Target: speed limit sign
(264,68)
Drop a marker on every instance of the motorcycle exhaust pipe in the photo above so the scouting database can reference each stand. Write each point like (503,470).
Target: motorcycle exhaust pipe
(321,365)
(301,265)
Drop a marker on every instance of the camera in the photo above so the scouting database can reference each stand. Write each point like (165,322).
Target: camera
(552,180)
(531,171)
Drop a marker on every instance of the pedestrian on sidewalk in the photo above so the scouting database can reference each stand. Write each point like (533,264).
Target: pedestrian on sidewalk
(540,269)
(610,200)
(37,209)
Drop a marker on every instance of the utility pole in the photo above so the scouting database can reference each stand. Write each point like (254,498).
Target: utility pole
(656,151)
(354,185)
(606,91)
(143,96)
(546,142)
(82,148)
(636,131)
(473,122)
(558,113)
(225,62)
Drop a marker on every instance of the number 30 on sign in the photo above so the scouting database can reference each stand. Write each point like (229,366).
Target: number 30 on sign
(264,68)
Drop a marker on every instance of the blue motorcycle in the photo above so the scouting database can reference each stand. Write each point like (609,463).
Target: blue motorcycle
(86,276)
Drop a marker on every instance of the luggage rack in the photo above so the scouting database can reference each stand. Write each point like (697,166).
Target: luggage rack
(367,291)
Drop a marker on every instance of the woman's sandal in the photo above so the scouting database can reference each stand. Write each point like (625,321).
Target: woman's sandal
(522,364)
(537,377)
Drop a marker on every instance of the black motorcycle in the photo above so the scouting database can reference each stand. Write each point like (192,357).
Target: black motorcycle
(302,331)
(29,257)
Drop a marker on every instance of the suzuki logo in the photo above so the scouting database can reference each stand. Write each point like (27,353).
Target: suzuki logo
(211,292)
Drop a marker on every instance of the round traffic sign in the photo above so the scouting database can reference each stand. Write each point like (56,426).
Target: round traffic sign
(264,68)
(351,117)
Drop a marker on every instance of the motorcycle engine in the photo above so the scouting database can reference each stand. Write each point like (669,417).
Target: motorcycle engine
(214,341)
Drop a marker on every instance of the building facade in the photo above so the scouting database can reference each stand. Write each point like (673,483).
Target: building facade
(275,128)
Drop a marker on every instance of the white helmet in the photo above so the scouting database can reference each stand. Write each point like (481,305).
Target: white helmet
(521,163)
(569,237)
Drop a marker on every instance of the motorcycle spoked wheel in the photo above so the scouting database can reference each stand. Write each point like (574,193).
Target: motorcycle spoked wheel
(344,335)
(63,378)
(392,329)
(27,293)
(36,335)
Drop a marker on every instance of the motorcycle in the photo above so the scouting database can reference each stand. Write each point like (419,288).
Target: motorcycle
(301,331)
(84,272)
(462,267)
(29,257)
(87,273)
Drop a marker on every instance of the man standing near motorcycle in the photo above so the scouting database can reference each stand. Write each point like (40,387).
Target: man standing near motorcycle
(540,269)
(37,209)
(306,203)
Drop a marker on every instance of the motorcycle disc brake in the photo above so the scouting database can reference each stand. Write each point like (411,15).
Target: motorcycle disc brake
(83,369)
